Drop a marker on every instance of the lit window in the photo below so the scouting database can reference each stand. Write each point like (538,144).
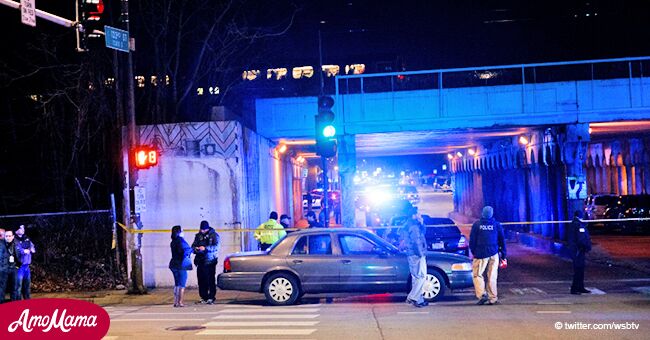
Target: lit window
(250,75)
(167,80)
(154,80)
(303,71)
(331,70)
(140,80)
(214,90)
(279,73)
(199,91)
(109,82)
(355,69)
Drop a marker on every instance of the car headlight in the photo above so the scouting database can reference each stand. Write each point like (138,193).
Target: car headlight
(465,266)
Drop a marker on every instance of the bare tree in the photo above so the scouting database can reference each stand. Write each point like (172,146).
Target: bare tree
(201,42)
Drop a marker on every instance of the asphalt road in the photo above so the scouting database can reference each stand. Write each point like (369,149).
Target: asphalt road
(533,294)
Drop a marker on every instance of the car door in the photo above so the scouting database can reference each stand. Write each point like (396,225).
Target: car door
(369,267)
(317,267)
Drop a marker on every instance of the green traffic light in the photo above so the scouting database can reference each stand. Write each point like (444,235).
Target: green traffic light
(329,131)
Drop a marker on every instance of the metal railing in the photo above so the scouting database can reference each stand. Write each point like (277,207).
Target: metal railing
(517,74)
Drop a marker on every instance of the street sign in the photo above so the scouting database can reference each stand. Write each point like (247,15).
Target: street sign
(28,12)
(117,39)
(140,200)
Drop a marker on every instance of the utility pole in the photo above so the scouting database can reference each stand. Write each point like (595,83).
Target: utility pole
(134,242)
(323,158)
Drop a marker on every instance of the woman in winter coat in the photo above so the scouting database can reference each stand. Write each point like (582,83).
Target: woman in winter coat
(179,264)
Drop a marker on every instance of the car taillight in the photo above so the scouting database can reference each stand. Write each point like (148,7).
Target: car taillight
(226,265)
(462,243)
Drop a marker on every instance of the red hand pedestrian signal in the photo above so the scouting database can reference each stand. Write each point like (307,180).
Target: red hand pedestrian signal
(145,157)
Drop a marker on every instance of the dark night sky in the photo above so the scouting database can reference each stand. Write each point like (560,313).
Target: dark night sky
(458,33)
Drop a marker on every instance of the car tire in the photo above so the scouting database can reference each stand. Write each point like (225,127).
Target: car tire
(434,285)
(281,289)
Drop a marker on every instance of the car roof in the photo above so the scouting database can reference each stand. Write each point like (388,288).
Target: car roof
(308,231)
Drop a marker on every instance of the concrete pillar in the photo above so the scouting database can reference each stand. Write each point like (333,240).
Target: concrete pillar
(347,161)
(574,155)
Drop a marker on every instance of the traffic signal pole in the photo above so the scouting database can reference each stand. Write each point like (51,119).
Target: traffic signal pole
(134,243)
(42,14)
(325,194)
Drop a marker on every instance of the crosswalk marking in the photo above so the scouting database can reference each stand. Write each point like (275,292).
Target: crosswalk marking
(259,323)
(244,311)
(257,331)
(553,312)
(265,316)
(134,320)
(595,291)
(271,307)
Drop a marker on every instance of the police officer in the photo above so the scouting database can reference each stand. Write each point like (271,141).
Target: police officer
(579,244)
(487,243)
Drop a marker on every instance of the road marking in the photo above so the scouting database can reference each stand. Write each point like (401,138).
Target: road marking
(412,312)
(642,290)
(554,303)
(524,291)
(595,291)
(190,313)
(258,331)
(553,312)
(259,323)
(133,320)
(645,279)
(243,311)
(271,307)
(265,316)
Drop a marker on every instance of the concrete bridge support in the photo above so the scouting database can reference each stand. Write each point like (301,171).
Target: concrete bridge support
(539,181)
(347,162)
(619,166)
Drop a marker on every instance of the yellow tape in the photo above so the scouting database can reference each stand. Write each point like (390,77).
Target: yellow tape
(154,231)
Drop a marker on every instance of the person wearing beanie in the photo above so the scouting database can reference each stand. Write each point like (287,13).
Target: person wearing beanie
(206,248)
(413,242)
(487,243)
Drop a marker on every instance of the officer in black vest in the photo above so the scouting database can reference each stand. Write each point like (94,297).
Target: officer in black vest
(579,244)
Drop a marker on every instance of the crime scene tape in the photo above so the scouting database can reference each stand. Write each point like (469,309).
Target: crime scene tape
(245,230)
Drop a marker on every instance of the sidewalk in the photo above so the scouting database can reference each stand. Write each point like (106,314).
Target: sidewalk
(157,296)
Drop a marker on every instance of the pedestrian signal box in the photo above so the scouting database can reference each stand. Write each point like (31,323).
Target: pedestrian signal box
(145,157)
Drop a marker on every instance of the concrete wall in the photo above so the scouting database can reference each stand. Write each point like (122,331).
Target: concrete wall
(214,171)
(527,104)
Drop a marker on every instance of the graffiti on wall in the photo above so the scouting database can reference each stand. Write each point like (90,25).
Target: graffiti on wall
(204,139)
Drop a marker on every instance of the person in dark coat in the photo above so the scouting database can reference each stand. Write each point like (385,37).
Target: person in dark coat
(311,219)
(487,243)
(579,244)
(206,248)
(9,264)
(25,248)
(179,264)
(285,221)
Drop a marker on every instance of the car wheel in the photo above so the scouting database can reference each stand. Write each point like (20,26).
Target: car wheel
(281,290)
(434,286)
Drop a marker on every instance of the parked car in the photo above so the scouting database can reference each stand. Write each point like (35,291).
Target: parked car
(595,205)
(444,235)
(629,206)
(337,260)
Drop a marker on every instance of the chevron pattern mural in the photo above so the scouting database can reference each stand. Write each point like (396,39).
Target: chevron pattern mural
(204,139)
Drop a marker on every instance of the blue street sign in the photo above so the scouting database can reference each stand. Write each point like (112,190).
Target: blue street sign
(117,39)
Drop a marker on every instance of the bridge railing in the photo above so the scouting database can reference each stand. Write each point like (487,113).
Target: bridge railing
(521,74)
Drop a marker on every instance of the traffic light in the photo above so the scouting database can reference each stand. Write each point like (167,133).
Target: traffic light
(145,157)
(90,16)
(325,130)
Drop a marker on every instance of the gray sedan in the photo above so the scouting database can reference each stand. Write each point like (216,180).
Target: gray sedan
(337,260)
